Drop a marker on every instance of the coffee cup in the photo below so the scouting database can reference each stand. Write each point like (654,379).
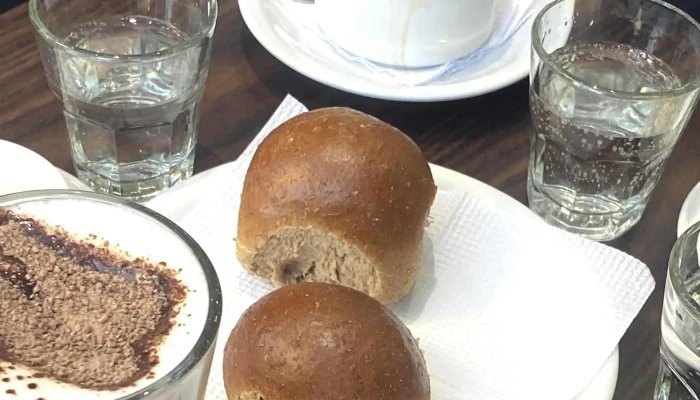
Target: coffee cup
(407,33)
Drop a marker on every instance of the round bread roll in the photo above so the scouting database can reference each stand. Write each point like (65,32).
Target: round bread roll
(316,341)
(336,196)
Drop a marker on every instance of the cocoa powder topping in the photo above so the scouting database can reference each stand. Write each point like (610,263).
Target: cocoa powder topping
(77,312)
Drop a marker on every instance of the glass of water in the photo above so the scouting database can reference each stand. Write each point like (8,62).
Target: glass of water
(679,371)
(612,86)
(130,74)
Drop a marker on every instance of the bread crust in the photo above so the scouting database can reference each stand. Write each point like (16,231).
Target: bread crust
(343,172)
(316,341)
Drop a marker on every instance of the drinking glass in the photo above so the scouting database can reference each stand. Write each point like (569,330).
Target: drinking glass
(679,371)
(612,86)
(185,358)
(130,75)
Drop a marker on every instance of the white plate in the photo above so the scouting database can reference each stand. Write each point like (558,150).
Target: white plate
(502,67)
(177,201)
(22,169)
(603,385)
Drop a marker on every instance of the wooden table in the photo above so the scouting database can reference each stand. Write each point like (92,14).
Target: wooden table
(486,138)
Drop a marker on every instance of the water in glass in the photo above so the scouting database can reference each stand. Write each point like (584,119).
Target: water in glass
(595,159)
(132,122)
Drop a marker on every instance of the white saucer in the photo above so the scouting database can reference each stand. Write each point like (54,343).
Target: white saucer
(22,169)
(278,34)
(690,211)
(73,182)
(177,202)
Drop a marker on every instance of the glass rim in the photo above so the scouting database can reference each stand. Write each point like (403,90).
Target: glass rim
(675,264)
(207,339)
(545,57)
(194,40)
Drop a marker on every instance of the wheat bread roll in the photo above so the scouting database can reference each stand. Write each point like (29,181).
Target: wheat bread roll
(336,196)
(317,341)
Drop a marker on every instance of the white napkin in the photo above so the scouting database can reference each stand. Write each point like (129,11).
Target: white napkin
(505,307)
(511,15)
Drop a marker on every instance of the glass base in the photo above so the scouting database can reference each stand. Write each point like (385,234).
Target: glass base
(600,226)
(139,188)
(677,378)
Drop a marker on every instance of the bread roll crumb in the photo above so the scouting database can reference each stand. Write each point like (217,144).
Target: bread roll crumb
(336,196)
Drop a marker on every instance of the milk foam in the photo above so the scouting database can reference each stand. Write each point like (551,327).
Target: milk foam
(139,236)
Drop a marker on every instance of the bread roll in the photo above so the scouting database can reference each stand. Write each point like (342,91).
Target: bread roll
(336,196)
(316,341)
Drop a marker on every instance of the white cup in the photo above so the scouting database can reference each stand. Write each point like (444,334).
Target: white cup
(407,33)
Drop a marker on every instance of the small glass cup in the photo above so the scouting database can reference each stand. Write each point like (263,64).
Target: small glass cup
(183,372)
(130,74)
(679,370)
(612,86)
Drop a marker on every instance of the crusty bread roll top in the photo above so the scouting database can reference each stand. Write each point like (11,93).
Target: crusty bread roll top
(315,341)
(336,196)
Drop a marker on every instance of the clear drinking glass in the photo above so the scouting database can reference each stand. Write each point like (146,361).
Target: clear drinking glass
(130,74)
(612,86)
(679,371)
(183,372)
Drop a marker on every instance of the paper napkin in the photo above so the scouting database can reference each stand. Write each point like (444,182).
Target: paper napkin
(511,15)
(505,306)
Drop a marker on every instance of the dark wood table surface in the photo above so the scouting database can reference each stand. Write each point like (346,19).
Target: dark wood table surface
(486,138)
